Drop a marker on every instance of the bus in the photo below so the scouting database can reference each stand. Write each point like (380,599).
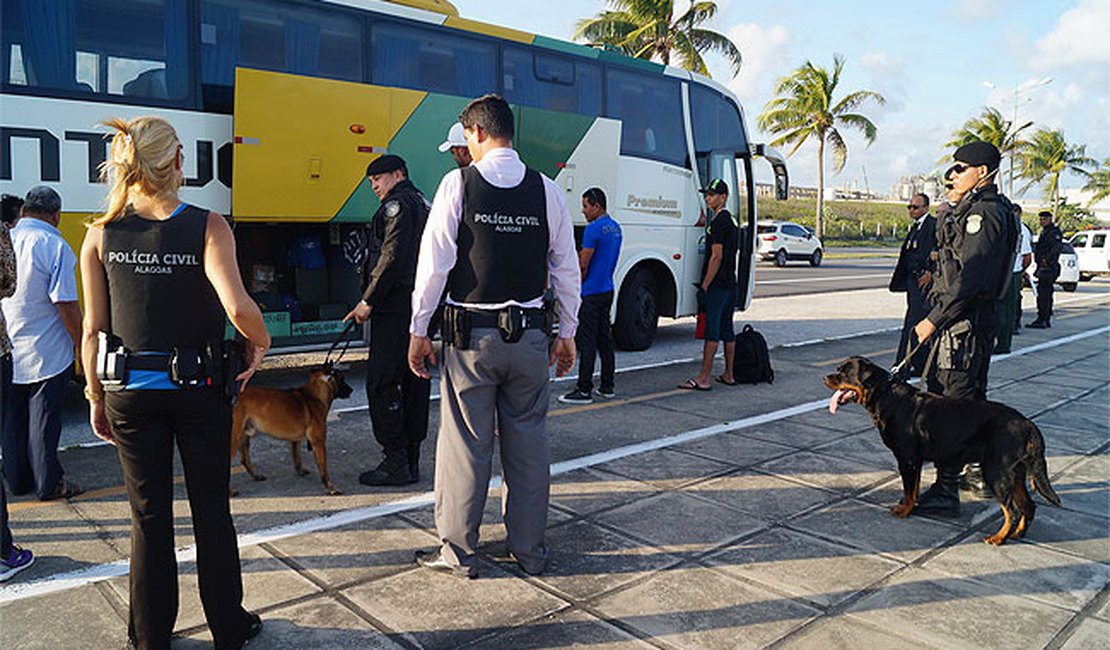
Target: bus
(281,104)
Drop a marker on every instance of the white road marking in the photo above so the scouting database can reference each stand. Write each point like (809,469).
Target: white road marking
(838,278)
(96,573)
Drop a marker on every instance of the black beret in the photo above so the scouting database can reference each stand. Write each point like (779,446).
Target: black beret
(385,164)
(979,153)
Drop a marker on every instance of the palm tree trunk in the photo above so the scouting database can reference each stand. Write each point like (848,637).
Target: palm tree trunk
(821,187)
(1055,194)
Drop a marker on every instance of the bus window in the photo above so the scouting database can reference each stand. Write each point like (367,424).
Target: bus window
(115,47)
(650,110)
(553,82)
(255,34)
(715,120)
(433,60)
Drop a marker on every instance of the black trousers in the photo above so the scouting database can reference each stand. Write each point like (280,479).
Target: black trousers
(398,399)
(147,424)
(1045,288)
(969,380)
(5,394)
(917,308)
(595,336)
(32,429)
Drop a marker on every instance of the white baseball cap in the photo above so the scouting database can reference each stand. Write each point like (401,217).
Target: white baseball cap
(455,138)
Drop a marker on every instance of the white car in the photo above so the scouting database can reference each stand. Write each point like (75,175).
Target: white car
(785,240)
(1069,268)
(1093,252)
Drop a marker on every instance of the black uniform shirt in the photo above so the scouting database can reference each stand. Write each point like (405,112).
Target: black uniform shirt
(395,233)
(1047,249)
(975,248)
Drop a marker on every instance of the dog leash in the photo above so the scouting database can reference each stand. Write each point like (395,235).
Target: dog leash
(901,369)
(328,361)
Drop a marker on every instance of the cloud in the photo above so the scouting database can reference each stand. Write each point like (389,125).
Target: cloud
(763,50)
(977,9)
(1078,38)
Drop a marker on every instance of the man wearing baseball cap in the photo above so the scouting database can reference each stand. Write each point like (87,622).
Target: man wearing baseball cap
(717,289)
(456,144)
(976,246)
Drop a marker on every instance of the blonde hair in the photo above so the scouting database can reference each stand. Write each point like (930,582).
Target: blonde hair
(141,157)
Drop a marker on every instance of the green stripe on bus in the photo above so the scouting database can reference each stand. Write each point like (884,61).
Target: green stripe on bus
(642,64)
(568,48)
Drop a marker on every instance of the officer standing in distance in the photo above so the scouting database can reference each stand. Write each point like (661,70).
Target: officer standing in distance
(1046,252)
(976,246)
(497,231)
(398,399)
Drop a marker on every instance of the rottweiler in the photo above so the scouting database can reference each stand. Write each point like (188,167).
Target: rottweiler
(919,426)
(292,414)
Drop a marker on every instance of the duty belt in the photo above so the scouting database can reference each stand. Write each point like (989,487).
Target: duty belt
(532,318)
(160,361)
(510,322)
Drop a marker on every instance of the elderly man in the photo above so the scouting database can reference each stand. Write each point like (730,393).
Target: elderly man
(44,322)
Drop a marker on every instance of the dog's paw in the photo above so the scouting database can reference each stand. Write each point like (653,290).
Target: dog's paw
(995,540)
(232,492)
(334,492)
(901,510)
(302,472)
(259,477)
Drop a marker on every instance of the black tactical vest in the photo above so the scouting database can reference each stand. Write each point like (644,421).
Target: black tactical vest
(160,297)
(502,241)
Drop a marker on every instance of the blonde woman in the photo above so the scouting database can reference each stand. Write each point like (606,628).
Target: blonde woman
(161,275)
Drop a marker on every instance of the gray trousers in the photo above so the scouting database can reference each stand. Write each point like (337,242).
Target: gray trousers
(494,387)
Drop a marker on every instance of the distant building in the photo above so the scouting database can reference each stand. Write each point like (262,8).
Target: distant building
(908,186)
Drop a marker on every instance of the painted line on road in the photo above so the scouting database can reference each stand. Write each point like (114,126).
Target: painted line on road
(97,573)
(759,283)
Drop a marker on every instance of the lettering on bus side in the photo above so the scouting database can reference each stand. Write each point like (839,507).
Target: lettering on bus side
(208,166)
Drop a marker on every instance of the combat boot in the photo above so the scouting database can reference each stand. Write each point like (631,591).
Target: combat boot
(943,497)
(393,471)
(972,481)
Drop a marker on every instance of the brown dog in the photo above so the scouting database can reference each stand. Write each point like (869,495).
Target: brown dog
(292,414)
(919,426)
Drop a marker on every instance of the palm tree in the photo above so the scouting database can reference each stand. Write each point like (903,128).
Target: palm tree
(647,29)
(1046,156)
(991,127)
(804,106)
(1099,183)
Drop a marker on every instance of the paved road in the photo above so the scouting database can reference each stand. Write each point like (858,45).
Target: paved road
(836,274)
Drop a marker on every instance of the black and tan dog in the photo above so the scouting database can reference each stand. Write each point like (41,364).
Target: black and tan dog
(919,426)
(292,414)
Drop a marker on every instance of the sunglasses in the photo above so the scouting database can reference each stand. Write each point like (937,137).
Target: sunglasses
(914,207)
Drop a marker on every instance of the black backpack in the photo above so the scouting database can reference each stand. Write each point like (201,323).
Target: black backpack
(752,362)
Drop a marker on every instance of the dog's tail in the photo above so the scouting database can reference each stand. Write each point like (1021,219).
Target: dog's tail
(1036,466)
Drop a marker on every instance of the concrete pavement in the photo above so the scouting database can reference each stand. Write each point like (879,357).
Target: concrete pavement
(742,517)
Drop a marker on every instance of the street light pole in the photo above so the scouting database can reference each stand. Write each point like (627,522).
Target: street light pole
(1018,89)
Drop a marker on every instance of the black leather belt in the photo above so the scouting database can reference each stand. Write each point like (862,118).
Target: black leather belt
(533,318)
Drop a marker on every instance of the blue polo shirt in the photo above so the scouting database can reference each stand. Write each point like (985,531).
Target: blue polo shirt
(603,235)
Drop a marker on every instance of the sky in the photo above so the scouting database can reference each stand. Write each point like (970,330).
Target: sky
(936,64)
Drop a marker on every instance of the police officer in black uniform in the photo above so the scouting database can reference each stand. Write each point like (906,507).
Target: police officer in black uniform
(398,399)
(975,251)
(1046,252)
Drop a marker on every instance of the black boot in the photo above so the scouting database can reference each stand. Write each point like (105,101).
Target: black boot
(414,462)
(392,471)
(943,498)
(972,481)
(1038,325)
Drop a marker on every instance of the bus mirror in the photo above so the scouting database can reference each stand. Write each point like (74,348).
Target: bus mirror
(778,164)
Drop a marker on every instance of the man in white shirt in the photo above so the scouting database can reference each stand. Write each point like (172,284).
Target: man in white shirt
(44,322)
(496,233)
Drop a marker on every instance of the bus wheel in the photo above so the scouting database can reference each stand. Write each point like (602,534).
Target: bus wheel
(637,312)
(780,257)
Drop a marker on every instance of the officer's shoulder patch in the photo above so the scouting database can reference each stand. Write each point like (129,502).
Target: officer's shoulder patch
(392,208)
(974,224)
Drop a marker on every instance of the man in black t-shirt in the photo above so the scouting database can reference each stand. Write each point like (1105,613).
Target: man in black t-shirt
(717,291)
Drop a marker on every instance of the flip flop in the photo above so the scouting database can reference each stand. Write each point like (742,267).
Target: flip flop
(690,384)
(720,379)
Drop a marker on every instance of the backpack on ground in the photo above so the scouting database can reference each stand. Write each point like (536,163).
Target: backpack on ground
(752,362)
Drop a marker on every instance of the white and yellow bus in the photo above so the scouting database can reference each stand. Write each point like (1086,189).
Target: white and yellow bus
(281,104)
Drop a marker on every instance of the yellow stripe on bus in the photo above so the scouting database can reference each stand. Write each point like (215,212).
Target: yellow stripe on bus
(489,30)
(316,137)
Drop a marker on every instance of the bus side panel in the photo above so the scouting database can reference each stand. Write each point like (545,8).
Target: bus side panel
(302,144)
(64,145)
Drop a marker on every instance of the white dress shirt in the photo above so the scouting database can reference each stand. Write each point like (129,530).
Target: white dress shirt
(1025,247)
(502,168)
(46,272)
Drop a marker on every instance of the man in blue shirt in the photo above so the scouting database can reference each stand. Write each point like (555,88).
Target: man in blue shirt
(601,246)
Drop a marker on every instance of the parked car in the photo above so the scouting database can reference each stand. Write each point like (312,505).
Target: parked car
(1094,255)
(785,240)
(1069,269)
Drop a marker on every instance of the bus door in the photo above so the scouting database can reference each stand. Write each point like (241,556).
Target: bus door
(722,163)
